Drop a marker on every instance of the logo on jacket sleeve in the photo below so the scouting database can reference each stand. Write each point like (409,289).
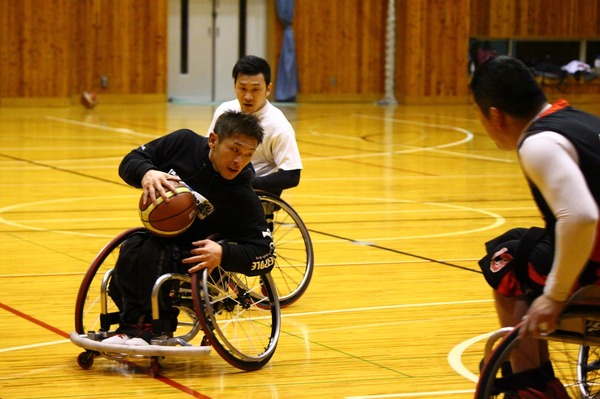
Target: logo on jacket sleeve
(264,264)
(500,260)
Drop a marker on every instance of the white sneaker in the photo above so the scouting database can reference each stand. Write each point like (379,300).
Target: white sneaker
(117,339)
(136,342)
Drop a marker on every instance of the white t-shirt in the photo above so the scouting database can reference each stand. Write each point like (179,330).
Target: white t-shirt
(279,149)
(552,164)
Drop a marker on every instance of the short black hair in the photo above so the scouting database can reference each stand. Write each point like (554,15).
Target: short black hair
(236,122)
(507,84)
(252,65)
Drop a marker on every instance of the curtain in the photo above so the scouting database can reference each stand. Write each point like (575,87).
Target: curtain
(286,86)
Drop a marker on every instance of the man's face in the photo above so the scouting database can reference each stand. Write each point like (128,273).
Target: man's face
(231,155)
(252,92)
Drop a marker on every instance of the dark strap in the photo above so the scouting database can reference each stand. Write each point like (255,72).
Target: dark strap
(526,245)
(536,378)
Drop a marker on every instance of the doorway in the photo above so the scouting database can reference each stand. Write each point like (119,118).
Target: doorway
(204,44)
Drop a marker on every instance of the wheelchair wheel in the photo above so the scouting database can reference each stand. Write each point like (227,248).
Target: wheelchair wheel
(242,326)
(93,311)
(575,364)
(293,247)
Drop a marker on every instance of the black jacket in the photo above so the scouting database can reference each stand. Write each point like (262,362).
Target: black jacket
(238,218)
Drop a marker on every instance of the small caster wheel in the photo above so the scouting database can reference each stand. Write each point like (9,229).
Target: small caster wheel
(85,360)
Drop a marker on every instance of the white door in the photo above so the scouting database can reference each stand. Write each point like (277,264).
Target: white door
(189,66)
(227,34)
(200,71)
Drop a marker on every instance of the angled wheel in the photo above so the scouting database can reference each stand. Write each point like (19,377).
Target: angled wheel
(293,248)
(242,326)
(85,360)
(94,311)
(574,363)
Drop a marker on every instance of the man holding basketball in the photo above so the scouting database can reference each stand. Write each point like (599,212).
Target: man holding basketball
(277,160)
(534,271)
(233,235)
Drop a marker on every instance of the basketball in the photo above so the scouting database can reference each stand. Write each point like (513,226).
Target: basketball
(89,99)
(169,219)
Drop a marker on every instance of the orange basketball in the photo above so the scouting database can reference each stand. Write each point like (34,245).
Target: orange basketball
(89,99)
(169,219)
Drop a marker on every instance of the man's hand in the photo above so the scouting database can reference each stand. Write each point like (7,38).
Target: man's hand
(156,182)
(207,254)
(542,317)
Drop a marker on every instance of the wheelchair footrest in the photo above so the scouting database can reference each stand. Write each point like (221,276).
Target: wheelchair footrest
(84,342)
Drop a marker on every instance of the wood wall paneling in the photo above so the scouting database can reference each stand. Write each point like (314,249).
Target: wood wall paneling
(535,18)
(432,50)
(62,47)
(340,47)
(126,42)
(34,57)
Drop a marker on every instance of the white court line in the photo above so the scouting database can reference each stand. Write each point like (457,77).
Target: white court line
(75,219)
(455,356)
(66,232)
(373,308)
(42,274)
(316,313)
(412,394)
(399,177)
(413,149)
(102,127)
(497,219)
(45,168)
(63,149)
(16,348)
(436,148)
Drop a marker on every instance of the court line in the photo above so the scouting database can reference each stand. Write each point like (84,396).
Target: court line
(101,127)
(454,360)
(412,394)
(455,356)
(194,393)
(409,151)
(469,137)
(399,177)
(165,380)
(287,315)
(498,220)
(16,348)
(59,200)
(436,148)
(373,308)
(22,275)
(63,149)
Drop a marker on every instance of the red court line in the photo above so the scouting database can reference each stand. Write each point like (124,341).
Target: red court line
(63,334)
(34,320)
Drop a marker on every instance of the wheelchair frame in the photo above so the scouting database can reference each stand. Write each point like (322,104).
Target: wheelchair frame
(239,315)
(574,349)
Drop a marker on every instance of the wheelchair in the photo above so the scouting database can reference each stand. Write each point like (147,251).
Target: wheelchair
(574,349)
(295,257)
(238,315)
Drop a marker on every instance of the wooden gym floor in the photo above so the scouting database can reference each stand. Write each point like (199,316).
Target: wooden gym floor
(398,200)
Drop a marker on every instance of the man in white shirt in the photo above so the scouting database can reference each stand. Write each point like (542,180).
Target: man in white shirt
(534,271)
(277,160)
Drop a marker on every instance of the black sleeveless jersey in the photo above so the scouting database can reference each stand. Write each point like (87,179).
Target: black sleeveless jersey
(583,131)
